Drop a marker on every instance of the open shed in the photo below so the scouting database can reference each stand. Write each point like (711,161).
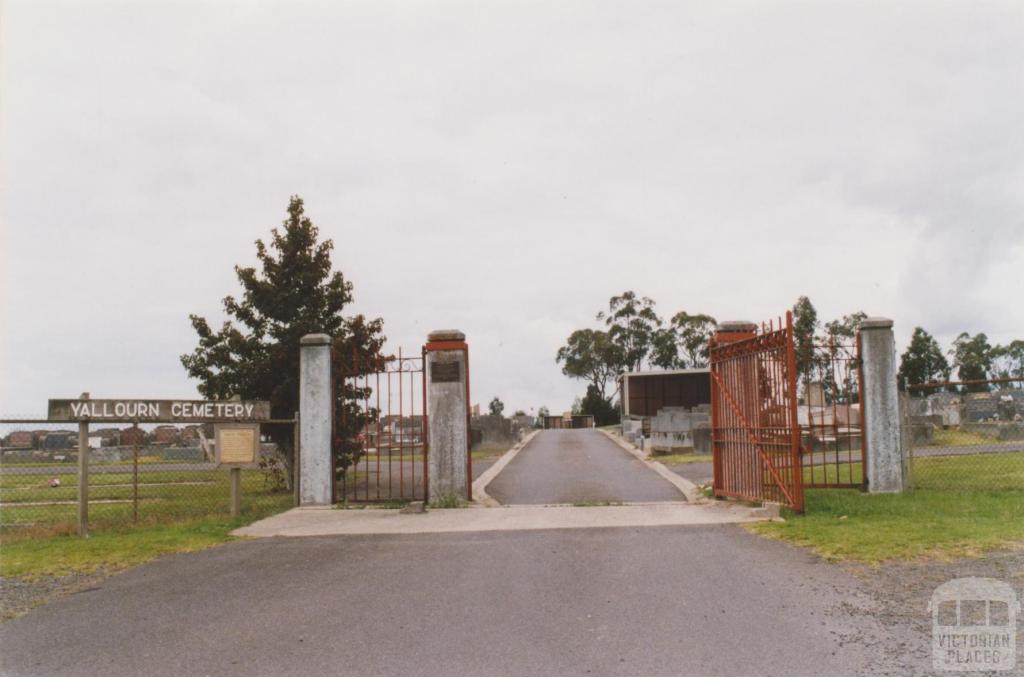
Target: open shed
(646,392)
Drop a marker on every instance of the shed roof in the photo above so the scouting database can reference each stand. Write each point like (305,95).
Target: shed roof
(663,372)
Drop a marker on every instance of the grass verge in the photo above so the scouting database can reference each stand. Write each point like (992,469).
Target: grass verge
(490,452)
(115,549)
(680,459)
(846,524)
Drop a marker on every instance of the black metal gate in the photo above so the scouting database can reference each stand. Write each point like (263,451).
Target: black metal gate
(380,428)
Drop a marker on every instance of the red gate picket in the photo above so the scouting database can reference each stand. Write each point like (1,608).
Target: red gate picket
(755,430)
(380,428)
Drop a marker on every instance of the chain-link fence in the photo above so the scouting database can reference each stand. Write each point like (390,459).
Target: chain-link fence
(137,474)
(967,435)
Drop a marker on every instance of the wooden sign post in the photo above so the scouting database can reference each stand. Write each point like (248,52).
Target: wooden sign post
(237,419)
(237,445)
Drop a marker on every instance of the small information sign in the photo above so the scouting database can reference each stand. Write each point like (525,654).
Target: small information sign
(237,444)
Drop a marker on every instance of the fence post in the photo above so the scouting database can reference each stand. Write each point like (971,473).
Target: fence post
(446,372)
(135,480)
(886,459)
(296,458)
(315,398)
(83,476)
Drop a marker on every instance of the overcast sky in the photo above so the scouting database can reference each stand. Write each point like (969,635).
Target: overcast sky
(501,168)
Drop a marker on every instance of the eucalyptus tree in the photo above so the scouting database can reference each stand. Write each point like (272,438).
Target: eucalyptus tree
(632,326)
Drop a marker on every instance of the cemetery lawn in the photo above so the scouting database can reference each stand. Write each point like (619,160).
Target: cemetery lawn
(30,506)
(952,437)
(984,511)
(112,550)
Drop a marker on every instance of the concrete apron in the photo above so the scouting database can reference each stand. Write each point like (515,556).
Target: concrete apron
(486,514)
(322,521)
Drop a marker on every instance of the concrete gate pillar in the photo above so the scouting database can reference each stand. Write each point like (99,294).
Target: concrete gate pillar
(447,374)
(886,470)
(316,416)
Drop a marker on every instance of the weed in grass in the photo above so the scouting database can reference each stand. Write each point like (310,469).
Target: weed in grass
(449,501)
(391,504)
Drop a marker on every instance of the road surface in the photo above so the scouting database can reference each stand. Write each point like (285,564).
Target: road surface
(623,601)
(578,466)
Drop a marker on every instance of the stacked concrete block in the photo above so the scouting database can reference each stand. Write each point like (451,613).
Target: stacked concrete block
(702,437)
(491,431)
(672,429)
(979,407)
(632,429)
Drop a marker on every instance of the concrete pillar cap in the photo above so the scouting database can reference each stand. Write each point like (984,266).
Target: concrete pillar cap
(446,335)
(315,340)
(735,326)
(875,323)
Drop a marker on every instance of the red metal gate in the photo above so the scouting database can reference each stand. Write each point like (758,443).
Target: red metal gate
(755,429)
(380,428)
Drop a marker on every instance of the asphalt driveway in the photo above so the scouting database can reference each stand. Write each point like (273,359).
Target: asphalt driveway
(625,601)
(578,466)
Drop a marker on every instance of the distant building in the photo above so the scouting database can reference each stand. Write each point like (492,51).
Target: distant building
(110,437)
(581,421)
(21,439)
(554,422)
(523,421)
(166,434)
(133,436)
(59,439)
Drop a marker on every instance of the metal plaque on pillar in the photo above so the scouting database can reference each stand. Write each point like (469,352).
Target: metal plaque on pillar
(445,372)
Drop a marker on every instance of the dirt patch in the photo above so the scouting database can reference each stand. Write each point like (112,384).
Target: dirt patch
(20,595)
(900,593)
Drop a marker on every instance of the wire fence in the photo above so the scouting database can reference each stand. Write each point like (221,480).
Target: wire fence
(137,474)
(967,435)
